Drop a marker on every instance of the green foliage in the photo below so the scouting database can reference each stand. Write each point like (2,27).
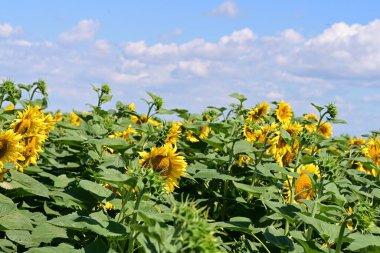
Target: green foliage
(252,182)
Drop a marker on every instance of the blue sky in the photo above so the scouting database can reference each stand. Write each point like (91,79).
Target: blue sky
(195,53)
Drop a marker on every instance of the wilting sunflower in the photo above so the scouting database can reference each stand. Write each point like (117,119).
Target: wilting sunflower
(284,112)
(29,122)
(303,186)
(325,129)
(174,133)
(10,148)
(167,162)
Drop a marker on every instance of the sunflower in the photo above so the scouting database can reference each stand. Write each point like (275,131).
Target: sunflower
(372,150)
(132,107)
(167,162)
(356,141)
(144,119)
(284,112)
(58,116)
(204,132)
(125,134)
(33,145)
(75,119)
(311,127)
(174,133)
(29,122)
(303,186)
(10,107)
(325,129)
(258,112)
(10,148)
(190,136)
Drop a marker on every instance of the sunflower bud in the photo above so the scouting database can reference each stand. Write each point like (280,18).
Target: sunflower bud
(332,110)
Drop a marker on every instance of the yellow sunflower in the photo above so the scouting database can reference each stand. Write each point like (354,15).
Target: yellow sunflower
(303,186)
(174,133)
(204,132)
(284,112)
(325,129)
(10,107)
(58,116)
(33,145)
(125,134)
(75,119)
(372,150)
(29,122)
(256,113)
(167,162)
(311,127)
(132,107)
(10,148)
(356,141)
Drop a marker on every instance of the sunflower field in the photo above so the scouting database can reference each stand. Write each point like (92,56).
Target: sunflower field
(231,179)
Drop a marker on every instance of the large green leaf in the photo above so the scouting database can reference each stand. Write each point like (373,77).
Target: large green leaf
(45,233)
(83,223)
(277,238)
(15,220)
(361,242)
(95,188)
(29,184)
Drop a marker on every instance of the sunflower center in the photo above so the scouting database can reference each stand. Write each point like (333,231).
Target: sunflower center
(23,126)
(3,148)
(303,187)
(160,163)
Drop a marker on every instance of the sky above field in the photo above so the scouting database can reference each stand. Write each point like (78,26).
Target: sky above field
(195,53)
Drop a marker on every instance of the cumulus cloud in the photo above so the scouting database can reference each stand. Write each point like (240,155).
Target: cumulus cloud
(85,30)
(227,8)
(7,30)
(287,65)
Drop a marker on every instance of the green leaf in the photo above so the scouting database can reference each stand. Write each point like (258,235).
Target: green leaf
(114,143)
(362,242)
(7,246)
(214,174)
(242,146)
(29,184)
(62,248)
(236,224)
(112,175)
(15,220)
(22,237)
(326,231)
(83,223)
(289,212)
(286,136)
(45,233)
(239,97)
(319,109)
(277,237)
(95,189)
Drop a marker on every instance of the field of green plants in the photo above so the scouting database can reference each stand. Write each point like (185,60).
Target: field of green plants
(231,179)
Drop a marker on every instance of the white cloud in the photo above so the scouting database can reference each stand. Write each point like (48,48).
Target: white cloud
(227,8)
(85,30)
(7,30)
(286,65)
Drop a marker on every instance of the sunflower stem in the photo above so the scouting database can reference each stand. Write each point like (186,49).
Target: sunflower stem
(132,223)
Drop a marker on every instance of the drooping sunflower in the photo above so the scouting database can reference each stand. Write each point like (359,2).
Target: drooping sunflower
(284,112)
(138,120)
(204,132)
(167,162)
(10,148)
(325,129)
(356,141)
(303,186)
